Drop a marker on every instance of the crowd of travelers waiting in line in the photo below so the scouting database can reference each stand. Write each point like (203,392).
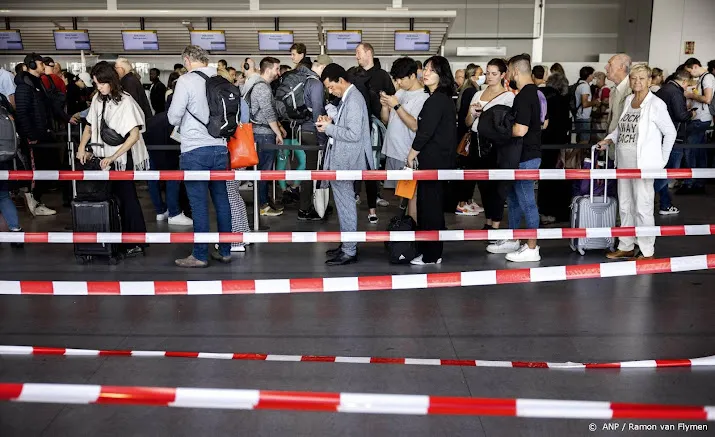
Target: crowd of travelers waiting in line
(417,115)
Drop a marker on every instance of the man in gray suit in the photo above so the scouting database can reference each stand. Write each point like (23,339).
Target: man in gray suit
(349,148)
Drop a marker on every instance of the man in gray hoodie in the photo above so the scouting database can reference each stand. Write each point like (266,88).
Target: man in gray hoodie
(266,129)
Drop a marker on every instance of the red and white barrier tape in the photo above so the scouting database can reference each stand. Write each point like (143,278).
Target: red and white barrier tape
(352,175)
(359,283)
(238,356)
(358,237)
(368,403)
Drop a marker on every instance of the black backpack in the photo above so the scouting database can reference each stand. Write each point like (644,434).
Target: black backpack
(8,136)
(224,101)
(574,105)
(290,95)
(401,252)
(57,98)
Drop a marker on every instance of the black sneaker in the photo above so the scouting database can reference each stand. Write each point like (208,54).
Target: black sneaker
(17,245)
(311,215)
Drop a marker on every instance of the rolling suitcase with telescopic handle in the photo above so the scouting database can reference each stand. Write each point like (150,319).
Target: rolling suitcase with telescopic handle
(590,212)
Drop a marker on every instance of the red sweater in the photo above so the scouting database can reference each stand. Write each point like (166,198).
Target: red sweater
(59,84)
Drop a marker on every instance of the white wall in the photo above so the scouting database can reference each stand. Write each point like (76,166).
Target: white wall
(678,21)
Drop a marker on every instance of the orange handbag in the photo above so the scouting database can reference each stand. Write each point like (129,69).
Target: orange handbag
(242,147)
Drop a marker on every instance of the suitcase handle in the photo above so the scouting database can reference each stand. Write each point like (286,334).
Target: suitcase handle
(593,166)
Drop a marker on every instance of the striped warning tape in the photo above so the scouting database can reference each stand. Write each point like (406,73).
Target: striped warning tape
(370,403)
(361,283)
(352,175)
(358,237)
(69,352)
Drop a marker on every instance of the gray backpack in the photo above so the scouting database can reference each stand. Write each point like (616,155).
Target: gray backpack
(8,136)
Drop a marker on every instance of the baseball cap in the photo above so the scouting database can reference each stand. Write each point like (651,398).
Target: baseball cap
(48,61)
(324,60)
(87,79)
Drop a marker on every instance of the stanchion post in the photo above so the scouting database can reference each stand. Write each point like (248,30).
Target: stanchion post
(256,206)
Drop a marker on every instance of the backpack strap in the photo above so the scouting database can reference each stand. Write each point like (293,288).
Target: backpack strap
(205,78)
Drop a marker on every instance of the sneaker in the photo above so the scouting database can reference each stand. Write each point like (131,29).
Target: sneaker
(524,255)
(357,199)
(235,249)
(180,220)
(31,203)
(17,245)
(372,218)
(276,207)
(163,216)
(382,202)
(670,211)
(311,215)
(474,206)
(246,186)
(547,219)
(419,262)
(191,263)
(503,246)
(42,210)
(465,210)
(403,204)
(268,211)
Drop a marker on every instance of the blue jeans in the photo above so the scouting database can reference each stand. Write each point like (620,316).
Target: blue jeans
(661,185)
(8,209)
(583,124)
(265,162)
(208,158)
(521,199)
(696,158)
(172,190)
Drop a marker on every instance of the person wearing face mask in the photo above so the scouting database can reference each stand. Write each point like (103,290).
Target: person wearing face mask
(465,189)
(493,193)
(643,139)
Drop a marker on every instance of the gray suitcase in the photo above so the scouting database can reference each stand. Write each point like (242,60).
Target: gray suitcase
(587,212)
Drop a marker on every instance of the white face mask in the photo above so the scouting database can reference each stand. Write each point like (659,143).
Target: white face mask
(481,80)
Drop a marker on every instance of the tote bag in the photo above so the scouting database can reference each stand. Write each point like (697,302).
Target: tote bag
(321,196)
(242,147)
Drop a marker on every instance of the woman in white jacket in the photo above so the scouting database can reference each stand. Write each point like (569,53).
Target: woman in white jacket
(643,139)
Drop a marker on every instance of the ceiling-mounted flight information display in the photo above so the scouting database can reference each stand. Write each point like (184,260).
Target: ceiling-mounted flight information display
(72,40)
(343,40)
(412,40)
(10,40)
(275,40)
(214,40)
(138,40)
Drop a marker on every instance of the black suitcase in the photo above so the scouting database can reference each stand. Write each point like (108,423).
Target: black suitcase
(96,216)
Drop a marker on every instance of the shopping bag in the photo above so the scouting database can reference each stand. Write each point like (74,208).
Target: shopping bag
(242,147)
(406,189)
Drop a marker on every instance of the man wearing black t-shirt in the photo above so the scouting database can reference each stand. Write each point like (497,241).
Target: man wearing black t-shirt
(527,129)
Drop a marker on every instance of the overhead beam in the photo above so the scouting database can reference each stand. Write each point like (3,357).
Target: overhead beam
(253,5)
(176,13)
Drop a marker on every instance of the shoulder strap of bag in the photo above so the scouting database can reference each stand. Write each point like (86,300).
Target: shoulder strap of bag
(206,78)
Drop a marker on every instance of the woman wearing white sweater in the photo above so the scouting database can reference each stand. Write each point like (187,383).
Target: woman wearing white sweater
(643,139)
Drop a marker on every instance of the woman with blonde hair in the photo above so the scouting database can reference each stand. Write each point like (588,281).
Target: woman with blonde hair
(643,139)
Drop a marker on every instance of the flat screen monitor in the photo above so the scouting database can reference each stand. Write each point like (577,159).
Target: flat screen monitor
(412,41)
(72,40)
(343,40)
(10,40)
(275,41)
(214,40)
(138,40)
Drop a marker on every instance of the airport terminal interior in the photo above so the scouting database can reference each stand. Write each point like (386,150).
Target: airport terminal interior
(99,330)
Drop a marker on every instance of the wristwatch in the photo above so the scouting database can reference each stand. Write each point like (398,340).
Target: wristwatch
(397,106)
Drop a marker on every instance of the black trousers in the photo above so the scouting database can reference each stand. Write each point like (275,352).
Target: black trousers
(311,163)
(130,209)
(465,189)
(371,190)
(493,193)
(430,218)
(44,159)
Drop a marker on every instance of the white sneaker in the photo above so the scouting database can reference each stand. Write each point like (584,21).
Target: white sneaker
(357,199)
(418,262)
(670,211)
(31,203)
(503,246)
(235,249)
(524,255)
(180,220)
(382,202)
(42,210)
(474,206)
(163,216)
